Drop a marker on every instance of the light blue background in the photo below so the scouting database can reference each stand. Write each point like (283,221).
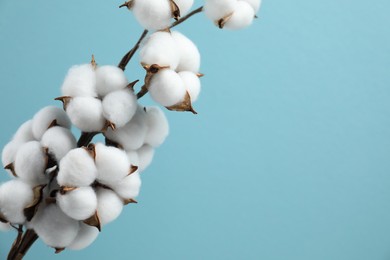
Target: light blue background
(289,157)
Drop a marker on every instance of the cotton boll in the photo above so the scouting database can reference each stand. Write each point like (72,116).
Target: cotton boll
(109,78)
(145,155)
(160,48)
(77,169)
(112,164)
(184,6)
(119,107)
(152,14)
(133,157)
(45,117)
(85,237)
(188,52)
(129,187)
(109,205)
(86,113)
(242,17)
(78,204)
(30,163)
(9,153)
(59,141)
(217,9)
(15,195)
(80,82)
(132,135)
(254,3)
(167,88)
(24,133)
(54,227)
(158,127)
(191,83)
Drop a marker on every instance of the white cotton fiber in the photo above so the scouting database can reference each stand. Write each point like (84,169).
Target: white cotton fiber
(45,117)
(86,113)
(242,17)
(188,52)
(158,127)
(152,14)
(191,83)
(133,157)
(184,6)
(167,88)
(15,195)
(24,133)
(59,141)
(78,204)
(54,227)
(9,152)
(129,187)
(161,49)
(119,106)
(80,82)
(145,155)
(77,169)
(254,3)
(112,164)
(217,9)
(4,227)
(30,163)
(109,78)
(109,205)
(85,237)
(132,135)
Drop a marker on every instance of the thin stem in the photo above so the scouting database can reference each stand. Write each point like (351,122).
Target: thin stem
(85,138)
(22,245)
(200,9)
(125,60)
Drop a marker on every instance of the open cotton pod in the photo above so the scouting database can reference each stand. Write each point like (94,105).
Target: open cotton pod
(242,17)
(80,81)
(45,118)
(24,133)
(85,237)
(112,164)
(254,3)
(145,155)
(86,113)
(159,48)
(192,84)
(8,156)
(77,169)
(119,106)
(109,78)
(158,127)
(59,141)
(109,205)
(152,14)
(30,163)
(54,227)
(184,6)
(188,52)
(129,187)
(218,9)
(15,196)
(79,204)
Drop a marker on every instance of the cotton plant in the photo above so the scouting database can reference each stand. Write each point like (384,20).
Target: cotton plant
(65,190)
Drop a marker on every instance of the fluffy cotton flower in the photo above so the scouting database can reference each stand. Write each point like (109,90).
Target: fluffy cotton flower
(109,78)
(158,127)
(184,6)
(45,117)
(77,169)
(160,48)
(132,135)
(86,113)
(152,14)
(129,187)
(133,157)
(78,204)
(217,9)
(54,227)
(59,141)
(112,164)
(9,153)
(242,17)
(15,195)
(109,205)
(85,237)
(188,52)
(119,107)
(145,155)
(254,3)
(24,133)
(30,163)
(167,88)
(80,81)
(192,84)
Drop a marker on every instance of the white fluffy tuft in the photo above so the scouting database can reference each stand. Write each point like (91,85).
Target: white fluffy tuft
(109,205)
(109,78)
(85,237)
(145,155)
(133,157)
(158,127)
(188,52)
(9,153)
(242,17)
(152,14)
(120,106)
(254,3)
(184,6)
(4,227)
(217,9)
(129,187)
(45,116)
(86,113)
(80,81)
(78,204)
(191,83)
(59,141)
(24,133)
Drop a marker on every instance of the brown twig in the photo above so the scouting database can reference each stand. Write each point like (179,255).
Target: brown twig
(198,10)
(125,60)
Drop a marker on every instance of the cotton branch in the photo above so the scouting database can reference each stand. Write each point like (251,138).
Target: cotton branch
(125,60)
